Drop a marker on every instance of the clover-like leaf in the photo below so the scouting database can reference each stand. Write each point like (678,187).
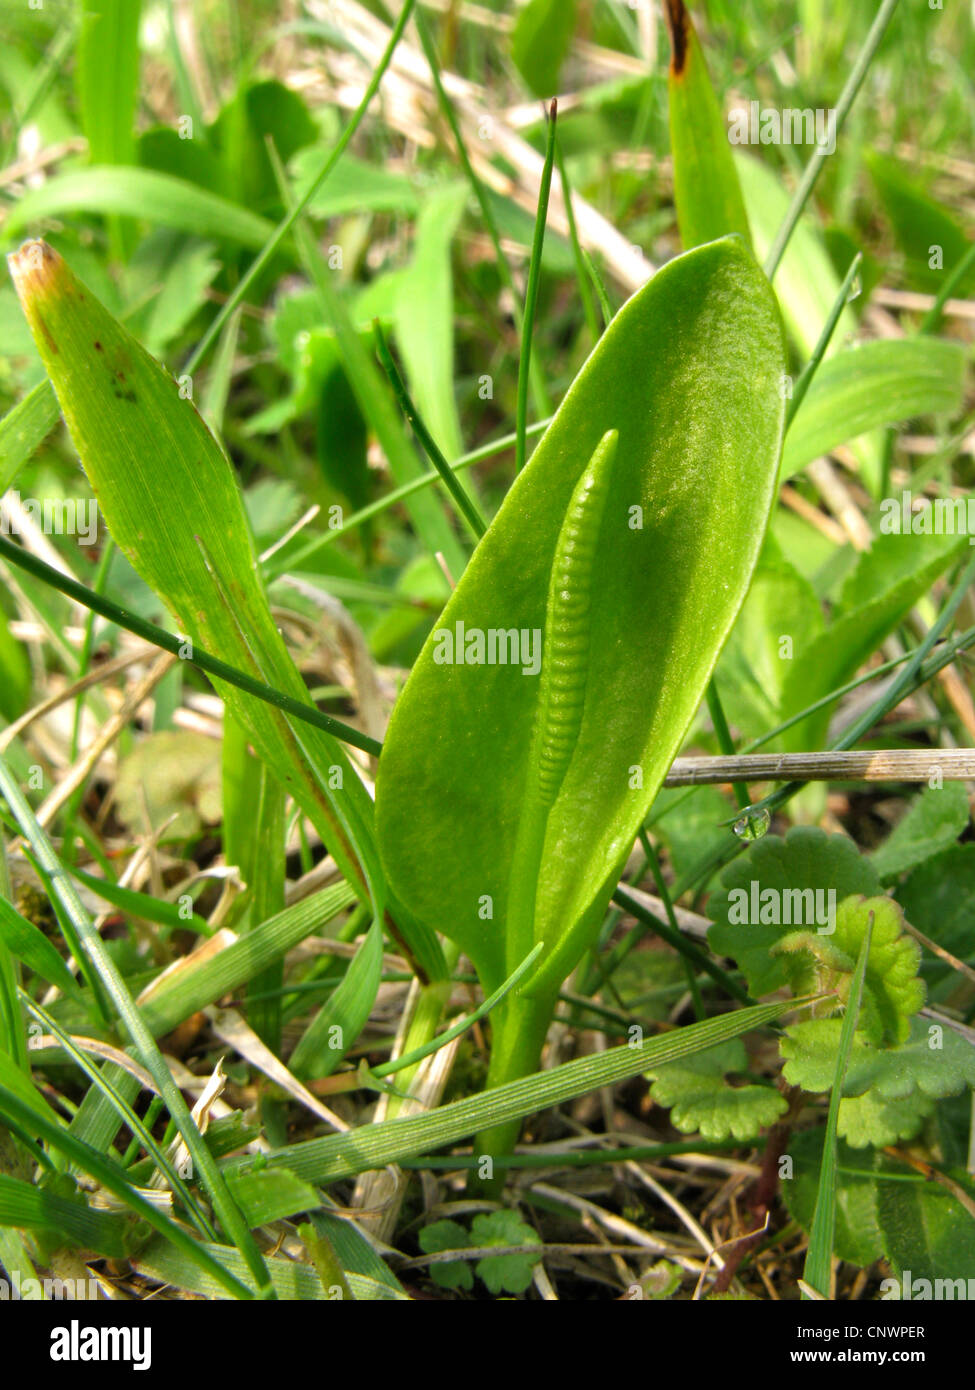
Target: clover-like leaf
(505,1273)
(702,1102)
(447,1235)
(765,896)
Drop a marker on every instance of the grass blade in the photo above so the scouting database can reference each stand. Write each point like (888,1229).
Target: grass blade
(142,193)
(171,499)
(531,292)
(466,505)
(24,429)
(820,1252)
(94,949)
(178,646)
(821,152)
(347,1010)
(278,234)
(202,981)
(16,1112)
(343,1155)
(707,194)
(811,367)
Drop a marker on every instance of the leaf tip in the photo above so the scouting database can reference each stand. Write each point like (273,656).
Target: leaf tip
(679,24)
(33,267)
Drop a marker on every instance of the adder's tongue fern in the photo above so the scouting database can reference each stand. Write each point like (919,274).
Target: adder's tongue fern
(507,801)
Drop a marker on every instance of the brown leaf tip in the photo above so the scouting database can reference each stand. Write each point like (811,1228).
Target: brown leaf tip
(32,267)
(679,24)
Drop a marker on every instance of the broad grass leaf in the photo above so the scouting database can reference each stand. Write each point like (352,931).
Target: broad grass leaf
(887,582)
(876,383)
(920,224)
(346,1011)
(141,193)
(540,42)
(107,78)
(170,498)
(707,193)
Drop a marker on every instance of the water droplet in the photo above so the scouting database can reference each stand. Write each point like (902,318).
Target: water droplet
(754,826)
(856,288)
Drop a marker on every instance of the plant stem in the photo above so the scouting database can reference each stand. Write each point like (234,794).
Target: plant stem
(518,1034)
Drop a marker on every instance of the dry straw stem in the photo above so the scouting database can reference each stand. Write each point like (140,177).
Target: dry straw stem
(884,765)
(411,107)
(77,775)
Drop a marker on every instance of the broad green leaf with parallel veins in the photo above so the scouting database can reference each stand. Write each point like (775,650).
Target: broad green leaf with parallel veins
(171,500)
(159,198)
(655,561)
(875,383)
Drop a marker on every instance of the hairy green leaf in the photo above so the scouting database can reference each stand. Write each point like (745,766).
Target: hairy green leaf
(934,821)
(747,926)
(892,992)
(857,1235)
(928,1235)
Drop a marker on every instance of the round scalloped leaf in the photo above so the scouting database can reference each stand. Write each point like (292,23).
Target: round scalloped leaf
(701,1101)
(505,1273)
(871,1119)
(936,1062)
(892,990)
(806,858)
(447,1235)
